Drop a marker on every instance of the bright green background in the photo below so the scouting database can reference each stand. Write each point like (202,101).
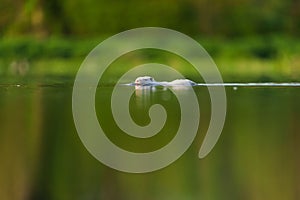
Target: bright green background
(42,44)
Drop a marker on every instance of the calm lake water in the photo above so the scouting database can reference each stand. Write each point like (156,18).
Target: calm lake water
(256,157)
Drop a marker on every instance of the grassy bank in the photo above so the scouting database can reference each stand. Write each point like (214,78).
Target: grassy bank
(246,59)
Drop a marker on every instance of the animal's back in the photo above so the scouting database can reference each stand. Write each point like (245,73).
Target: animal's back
(184,82)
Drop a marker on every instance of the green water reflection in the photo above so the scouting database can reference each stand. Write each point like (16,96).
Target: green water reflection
(256,157)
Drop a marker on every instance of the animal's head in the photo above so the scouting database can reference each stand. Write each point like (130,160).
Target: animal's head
(144,80)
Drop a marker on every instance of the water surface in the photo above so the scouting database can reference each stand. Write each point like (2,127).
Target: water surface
(256,156)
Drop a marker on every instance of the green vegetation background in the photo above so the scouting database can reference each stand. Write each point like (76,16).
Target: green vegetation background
(248,39)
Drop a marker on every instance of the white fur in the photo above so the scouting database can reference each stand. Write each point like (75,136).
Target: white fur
(183,82)
(149,81)
(144,80)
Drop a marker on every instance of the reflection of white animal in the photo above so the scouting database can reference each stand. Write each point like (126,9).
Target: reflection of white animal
(149,81)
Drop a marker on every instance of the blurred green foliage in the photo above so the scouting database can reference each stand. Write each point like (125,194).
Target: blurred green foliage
(31,48)
(244,37)
(243,59)
(227,18)
(56,47)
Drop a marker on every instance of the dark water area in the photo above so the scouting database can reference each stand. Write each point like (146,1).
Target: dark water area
(256,157)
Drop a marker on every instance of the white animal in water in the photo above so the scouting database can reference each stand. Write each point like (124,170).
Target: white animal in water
(144,80)
(149,81)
